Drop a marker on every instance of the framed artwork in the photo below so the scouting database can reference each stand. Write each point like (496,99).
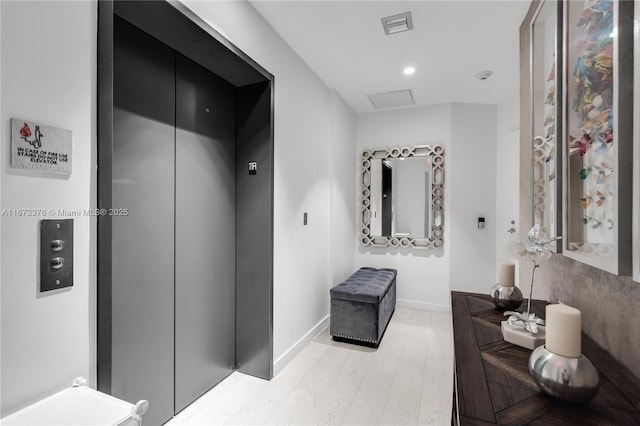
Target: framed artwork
(598,133)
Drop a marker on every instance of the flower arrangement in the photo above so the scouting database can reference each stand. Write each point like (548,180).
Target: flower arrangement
(536,249)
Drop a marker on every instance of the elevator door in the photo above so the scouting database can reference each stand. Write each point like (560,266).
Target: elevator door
(142,336)
(174,170)
(205,230)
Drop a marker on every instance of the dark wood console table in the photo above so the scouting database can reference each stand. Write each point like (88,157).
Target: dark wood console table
(493,385)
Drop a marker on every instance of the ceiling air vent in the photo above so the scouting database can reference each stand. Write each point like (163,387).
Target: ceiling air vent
(397,98)
(397,23)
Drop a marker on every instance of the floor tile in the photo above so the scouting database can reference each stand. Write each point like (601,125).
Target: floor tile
(407,380)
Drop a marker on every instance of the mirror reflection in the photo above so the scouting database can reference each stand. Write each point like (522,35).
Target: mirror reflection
(402,197)
(545,110)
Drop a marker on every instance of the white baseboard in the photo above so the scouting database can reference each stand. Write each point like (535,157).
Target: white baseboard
(294,350)
(421,306)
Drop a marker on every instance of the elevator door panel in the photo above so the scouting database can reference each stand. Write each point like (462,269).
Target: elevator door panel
(254,318)
(205,230)
(142,241)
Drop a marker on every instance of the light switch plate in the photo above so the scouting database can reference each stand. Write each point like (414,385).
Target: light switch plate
(56,254)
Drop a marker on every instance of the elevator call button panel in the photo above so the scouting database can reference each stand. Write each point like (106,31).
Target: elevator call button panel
(56,254)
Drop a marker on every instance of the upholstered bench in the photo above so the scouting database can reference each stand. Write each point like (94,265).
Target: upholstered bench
(361,306)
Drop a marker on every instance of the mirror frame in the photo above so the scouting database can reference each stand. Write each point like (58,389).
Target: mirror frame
(435,156)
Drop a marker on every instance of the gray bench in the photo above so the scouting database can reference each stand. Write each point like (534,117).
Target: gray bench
(361,306)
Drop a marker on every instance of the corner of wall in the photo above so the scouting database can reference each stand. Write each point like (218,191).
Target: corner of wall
(342,159)
(297,347)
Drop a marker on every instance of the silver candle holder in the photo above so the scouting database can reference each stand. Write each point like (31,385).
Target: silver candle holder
(506,297)
(573,380)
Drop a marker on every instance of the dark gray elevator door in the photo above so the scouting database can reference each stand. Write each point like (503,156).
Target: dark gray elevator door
(174,169)
(205,230)
(143,241)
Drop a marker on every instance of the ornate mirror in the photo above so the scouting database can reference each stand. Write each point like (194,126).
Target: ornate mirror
(402,197)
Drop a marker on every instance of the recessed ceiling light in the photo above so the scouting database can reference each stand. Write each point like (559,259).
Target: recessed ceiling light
(409,70)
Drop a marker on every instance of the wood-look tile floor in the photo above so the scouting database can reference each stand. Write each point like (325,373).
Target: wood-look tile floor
(407,381)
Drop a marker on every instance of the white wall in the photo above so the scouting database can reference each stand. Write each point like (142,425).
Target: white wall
(507,179)
(472,182)
(423,276)
(343,227)
(48,75)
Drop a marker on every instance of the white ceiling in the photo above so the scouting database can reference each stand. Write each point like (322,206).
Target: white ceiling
(344,43)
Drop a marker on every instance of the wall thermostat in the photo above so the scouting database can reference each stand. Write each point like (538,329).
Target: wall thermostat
(481,223)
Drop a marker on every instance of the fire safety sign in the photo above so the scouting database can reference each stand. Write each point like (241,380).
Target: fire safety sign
(37,147)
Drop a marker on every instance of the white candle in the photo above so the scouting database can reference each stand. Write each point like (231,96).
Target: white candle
(506,274)
(563,327)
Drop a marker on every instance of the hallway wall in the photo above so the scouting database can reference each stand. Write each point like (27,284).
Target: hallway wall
(48,74)
(473,194)
(507,179)
(343,191)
